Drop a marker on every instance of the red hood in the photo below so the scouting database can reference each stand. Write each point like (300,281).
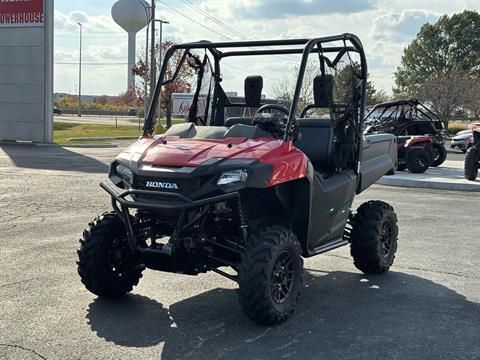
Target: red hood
(174,151)
(287,161)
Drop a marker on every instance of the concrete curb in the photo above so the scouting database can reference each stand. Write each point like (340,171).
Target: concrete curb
(451,151)
(425,184)
(26,143)
(99,146)
(103,138)
(448,176)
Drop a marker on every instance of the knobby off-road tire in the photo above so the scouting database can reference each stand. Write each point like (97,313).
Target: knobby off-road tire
(439,155)
(270,275)
(471,163)
(374,237)
(418,161)
(103,244)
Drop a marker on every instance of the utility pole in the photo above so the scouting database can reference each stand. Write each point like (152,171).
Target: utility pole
(80,75)
(169,120)
(152,51)
(153,63)
(145,97)
(161,40)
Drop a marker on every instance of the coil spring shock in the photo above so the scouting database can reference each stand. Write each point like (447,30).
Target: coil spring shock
(242,220)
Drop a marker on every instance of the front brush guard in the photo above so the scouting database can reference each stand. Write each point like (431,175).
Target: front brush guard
(182,204)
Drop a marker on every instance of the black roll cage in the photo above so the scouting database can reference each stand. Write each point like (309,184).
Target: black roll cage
(419,108)
(309,46)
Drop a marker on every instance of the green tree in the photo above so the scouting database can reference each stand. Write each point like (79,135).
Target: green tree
(452,44)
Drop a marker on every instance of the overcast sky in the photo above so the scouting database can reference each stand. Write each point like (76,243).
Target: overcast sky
(384,26)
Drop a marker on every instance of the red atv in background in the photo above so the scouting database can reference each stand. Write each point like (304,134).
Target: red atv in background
(415,153)
(472,158)
(248,197)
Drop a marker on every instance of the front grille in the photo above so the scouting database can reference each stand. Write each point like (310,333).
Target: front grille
(179,186)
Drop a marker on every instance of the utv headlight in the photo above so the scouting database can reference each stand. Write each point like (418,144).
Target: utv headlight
(233,177)
(125,173)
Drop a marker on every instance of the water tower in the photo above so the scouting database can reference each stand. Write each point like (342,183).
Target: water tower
(132,16)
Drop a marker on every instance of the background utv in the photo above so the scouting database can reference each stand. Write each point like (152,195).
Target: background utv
(252,194)
(421,135)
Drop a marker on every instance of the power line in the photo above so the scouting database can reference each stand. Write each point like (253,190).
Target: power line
(228,28)
(194,21)
(215,20)
(236,68)
(389,74)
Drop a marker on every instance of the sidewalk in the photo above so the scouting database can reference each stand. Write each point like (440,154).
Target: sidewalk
(448,176)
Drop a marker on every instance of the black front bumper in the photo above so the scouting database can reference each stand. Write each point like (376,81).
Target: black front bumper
(157,201)
(179,202)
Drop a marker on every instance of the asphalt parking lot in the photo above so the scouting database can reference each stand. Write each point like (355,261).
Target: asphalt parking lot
(427,307)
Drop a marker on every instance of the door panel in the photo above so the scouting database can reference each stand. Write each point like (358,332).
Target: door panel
(331,201)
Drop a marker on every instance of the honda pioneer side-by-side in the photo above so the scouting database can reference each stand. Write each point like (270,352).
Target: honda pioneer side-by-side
(248,197)
(472,158)
(408,118)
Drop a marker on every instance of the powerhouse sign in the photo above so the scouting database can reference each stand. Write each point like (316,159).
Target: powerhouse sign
(19,13)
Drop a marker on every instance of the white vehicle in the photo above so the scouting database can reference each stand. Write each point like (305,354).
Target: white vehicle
(464,139)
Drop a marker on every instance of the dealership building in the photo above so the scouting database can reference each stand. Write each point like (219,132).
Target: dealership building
(26,70)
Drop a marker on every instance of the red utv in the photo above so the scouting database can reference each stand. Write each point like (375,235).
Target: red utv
(472,158)
(415,153)
(248,197)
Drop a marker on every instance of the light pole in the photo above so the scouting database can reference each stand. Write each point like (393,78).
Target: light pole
(153,60)
(145,97)
(152,49)
(160,49)
(80,75)
(161,40)
(150,69)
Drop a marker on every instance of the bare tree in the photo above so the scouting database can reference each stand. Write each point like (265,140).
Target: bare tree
(474,102)
(378,96)
(284,89)
(448,92)
(182,83)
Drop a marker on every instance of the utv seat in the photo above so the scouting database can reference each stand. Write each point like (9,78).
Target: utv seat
(238,120)
(246,131)
(316,142)
(253,86)
(189,130)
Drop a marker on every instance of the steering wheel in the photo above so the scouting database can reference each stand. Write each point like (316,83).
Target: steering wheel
(278,107)
(274,121)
